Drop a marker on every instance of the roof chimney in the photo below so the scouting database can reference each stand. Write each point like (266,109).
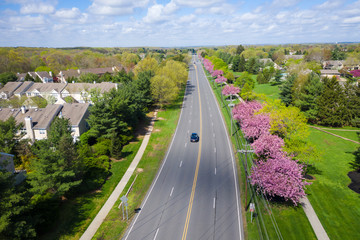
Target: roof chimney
(23,109)
(29,128)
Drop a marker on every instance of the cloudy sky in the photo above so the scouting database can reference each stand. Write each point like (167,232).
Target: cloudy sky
(176,23)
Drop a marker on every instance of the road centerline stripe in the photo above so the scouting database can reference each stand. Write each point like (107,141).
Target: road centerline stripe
(187,221)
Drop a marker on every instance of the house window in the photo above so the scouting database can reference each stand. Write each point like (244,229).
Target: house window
(42,131)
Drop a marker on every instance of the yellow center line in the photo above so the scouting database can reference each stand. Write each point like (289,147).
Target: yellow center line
(197,169)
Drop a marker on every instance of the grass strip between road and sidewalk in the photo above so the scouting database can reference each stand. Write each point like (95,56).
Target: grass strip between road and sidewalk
(113,226)
(291,220)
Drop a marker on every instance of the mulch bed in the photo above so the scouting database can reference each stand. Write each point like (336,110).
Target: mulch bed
(355,181)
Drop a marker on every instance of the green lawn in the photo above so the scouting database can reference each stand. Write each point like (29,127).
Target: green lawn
(267,89)
(114,227)
(337,207)
(343,132)
(292,221)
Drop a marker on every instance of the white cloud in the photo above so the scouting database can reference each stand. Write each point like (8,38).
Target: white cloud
(329,5)
(222,9)
(352,20)
(21,23)
(159,13)
(198,3)
(187,18)
(68,13)
(37,7)
(285,3)
(116,7)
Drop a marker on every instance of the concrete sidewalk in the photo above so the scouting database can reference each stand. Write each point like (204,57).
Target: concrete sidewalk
(96,223)
(313,219)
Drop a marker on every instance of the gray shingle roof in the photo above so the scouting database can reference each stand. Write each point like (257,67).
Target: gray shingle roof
(74,112)
(41,117)
(47,87)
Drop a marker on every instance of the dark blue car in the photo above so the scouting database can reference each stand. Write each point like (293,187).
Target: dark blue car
(194,137)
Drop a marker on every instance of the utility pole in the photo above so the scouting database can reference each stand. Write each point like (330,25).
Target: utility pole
(246,173)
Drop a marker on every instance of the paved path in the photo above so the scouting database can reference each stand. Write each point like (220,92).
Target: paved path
(96,223)
(321,129)
(313,219)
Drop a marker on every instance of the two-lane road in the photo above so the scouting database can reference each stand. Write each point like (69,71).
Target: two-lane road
(195,194)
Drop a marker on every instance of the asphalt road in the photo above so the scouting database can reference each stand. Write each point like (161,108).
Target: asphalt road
(195,194)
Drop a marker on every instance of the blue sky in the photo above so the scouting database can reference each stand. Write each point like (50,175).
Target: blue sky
(176,23)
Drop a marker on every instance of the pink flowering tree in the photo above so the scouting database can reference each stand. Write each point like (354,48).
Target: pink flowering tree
(217,73)
(245,110)
(355,73)
(268,145)
(230,90)
(220,79)
(279,176)
(255,126)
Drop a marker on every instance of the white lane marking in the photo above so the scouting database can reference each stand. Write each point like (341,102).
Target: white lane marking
(212,124)
(215,149)
(215,171)
(214,135)
(185,144)
(210,115)
(171,191)
(156,234)
(214,202)
(180,164)
(189,120)
(188,131)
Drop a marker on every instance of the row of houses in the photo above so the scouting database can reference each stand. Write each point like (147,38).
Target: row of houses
(65,76)
(80,92)
(36,121)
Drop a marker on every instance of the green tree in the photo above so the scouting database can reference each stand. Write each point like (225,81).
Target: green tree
(244,78)
(236,63)
(7,77)
(352,102)
(239,49)
(163,89)
(286,90)
(308,97)
(9,136)
(88,78)
(55,167)
(252,66)
(331,104)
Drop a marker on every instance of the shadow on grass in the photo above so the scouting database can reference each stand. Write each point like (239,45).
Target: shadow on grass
(311,169)
(72,216)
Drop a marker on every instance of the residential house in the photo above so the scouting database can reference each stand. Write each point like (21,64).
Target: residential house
(333,64)
(36,121)
(6,113)
(64,76)
(21,77)
(81,91)
(295,57)
(45,77)
(77,113)
(47,90)
(329,73)
(8,90)
(269,60)
(23,88)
